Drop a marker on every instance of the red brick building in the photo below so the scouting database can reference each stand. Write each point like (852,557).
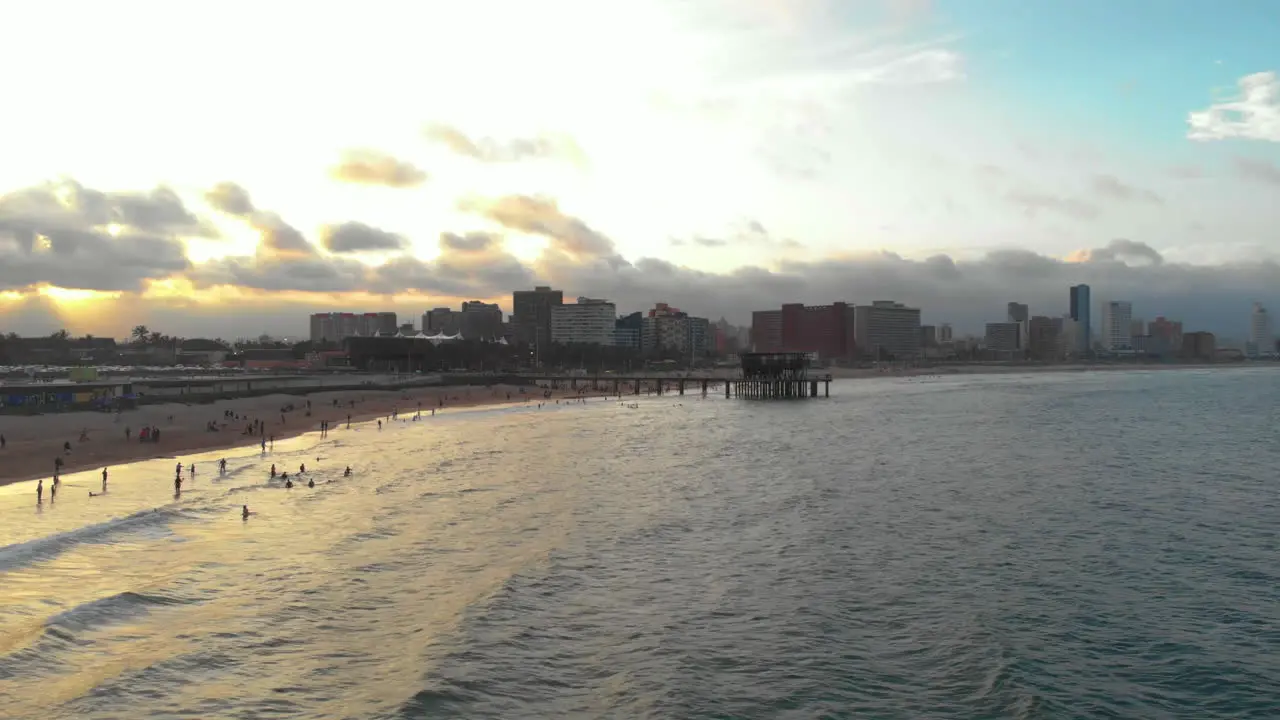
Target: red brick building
(823,329)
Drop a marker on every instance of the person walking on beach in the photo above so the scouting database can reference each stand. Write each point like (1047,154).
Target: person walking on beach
(104,479)
(222,466)
(40,491)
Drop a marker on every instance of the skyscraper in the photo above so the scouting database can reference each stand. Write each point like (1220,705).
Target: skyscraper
(531,314)
(1260,337)
(1080,304)
(1117,326)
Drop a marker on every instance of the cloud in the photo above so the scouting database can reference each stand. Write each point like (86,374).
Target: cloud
(78,238)
(1032,203)
(372,167)
(935,65)
(744,234)
(230,198)
(355,237)
(278,237)
(539,147)
(290,272)
(1251,114)
(539,215)
(470,242)
(473,265)
(1257,170)
(1119,250)
(1111,187)
(1187,172)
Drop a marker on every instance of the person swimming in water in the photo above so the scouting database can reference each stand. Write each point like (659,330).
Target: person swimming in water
(288,483)
(302,468)
(311,483)
(347,472)
(244,512)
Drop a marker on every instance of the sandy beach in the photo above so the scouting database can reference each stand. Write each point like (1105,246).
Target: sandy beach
(32,442)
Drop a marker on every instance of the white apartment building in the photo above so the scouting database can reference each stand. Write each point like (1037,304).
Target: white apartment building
(588,322)
(886,328)
(1261,339)
(1117,326)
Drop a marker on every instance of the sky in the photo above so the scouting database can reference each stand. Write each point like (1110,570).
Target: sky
(225,169)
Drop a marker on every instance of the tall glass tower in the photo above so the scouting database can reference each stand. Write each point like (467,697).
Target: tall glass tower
(1080,305)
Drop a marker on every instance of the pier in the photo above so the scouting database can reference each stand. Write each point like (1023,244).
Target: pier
(778,376)
(774,376)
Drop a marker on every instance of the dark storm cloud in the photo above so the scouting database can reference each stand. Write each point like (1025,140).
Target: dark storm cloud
(373,167)
(488,150)
(354,237)
(61,234)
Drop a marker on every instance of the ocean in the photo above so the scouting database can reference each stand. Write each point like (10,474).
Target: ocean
(1048,545)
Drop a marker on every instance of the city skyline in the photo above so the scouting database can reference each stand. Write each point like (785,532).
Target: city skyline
(770,153)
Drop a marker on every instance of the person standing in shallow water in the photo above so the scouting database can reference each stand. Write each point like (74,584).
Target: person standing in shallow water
(104,479)
(40,490)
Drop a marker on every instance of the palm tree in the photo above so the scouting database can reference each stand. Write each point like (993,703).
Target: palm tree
(60,335)
(140,333)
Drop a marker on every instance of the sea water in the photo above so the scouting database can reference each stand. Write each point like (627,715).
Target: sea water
(1049,545)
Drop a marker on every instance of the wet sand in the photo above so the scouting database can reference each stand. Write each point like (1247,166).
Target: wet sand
(32,442)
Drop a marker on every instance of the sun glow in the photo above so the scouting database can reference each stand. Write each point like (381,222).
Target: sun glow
(67,296)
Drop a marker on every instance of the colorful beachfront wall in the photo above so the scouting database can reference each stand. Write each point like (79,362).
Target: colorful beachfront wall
(52,398)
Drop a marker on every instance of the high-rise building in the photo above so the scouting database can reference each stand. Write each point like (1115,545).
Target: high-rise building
(588,322)
(887,330)
(1169,331)
(1044,338)
(1260,336)
(1199,346)
(440,321)
(1004,337)
(928,335)
(334,327)
(1117,326)
(1137,328)
(1083,329)
(670,331)
(766,331)
(944,333)
(826,330)
(531,313)
(480,321)
(626,330)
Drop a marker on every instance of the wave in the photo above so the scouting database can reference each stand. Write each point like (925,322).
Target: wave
(28,553)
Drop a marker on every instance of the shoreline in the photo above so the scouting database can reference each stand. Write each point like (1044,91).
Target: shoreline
(33,441)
